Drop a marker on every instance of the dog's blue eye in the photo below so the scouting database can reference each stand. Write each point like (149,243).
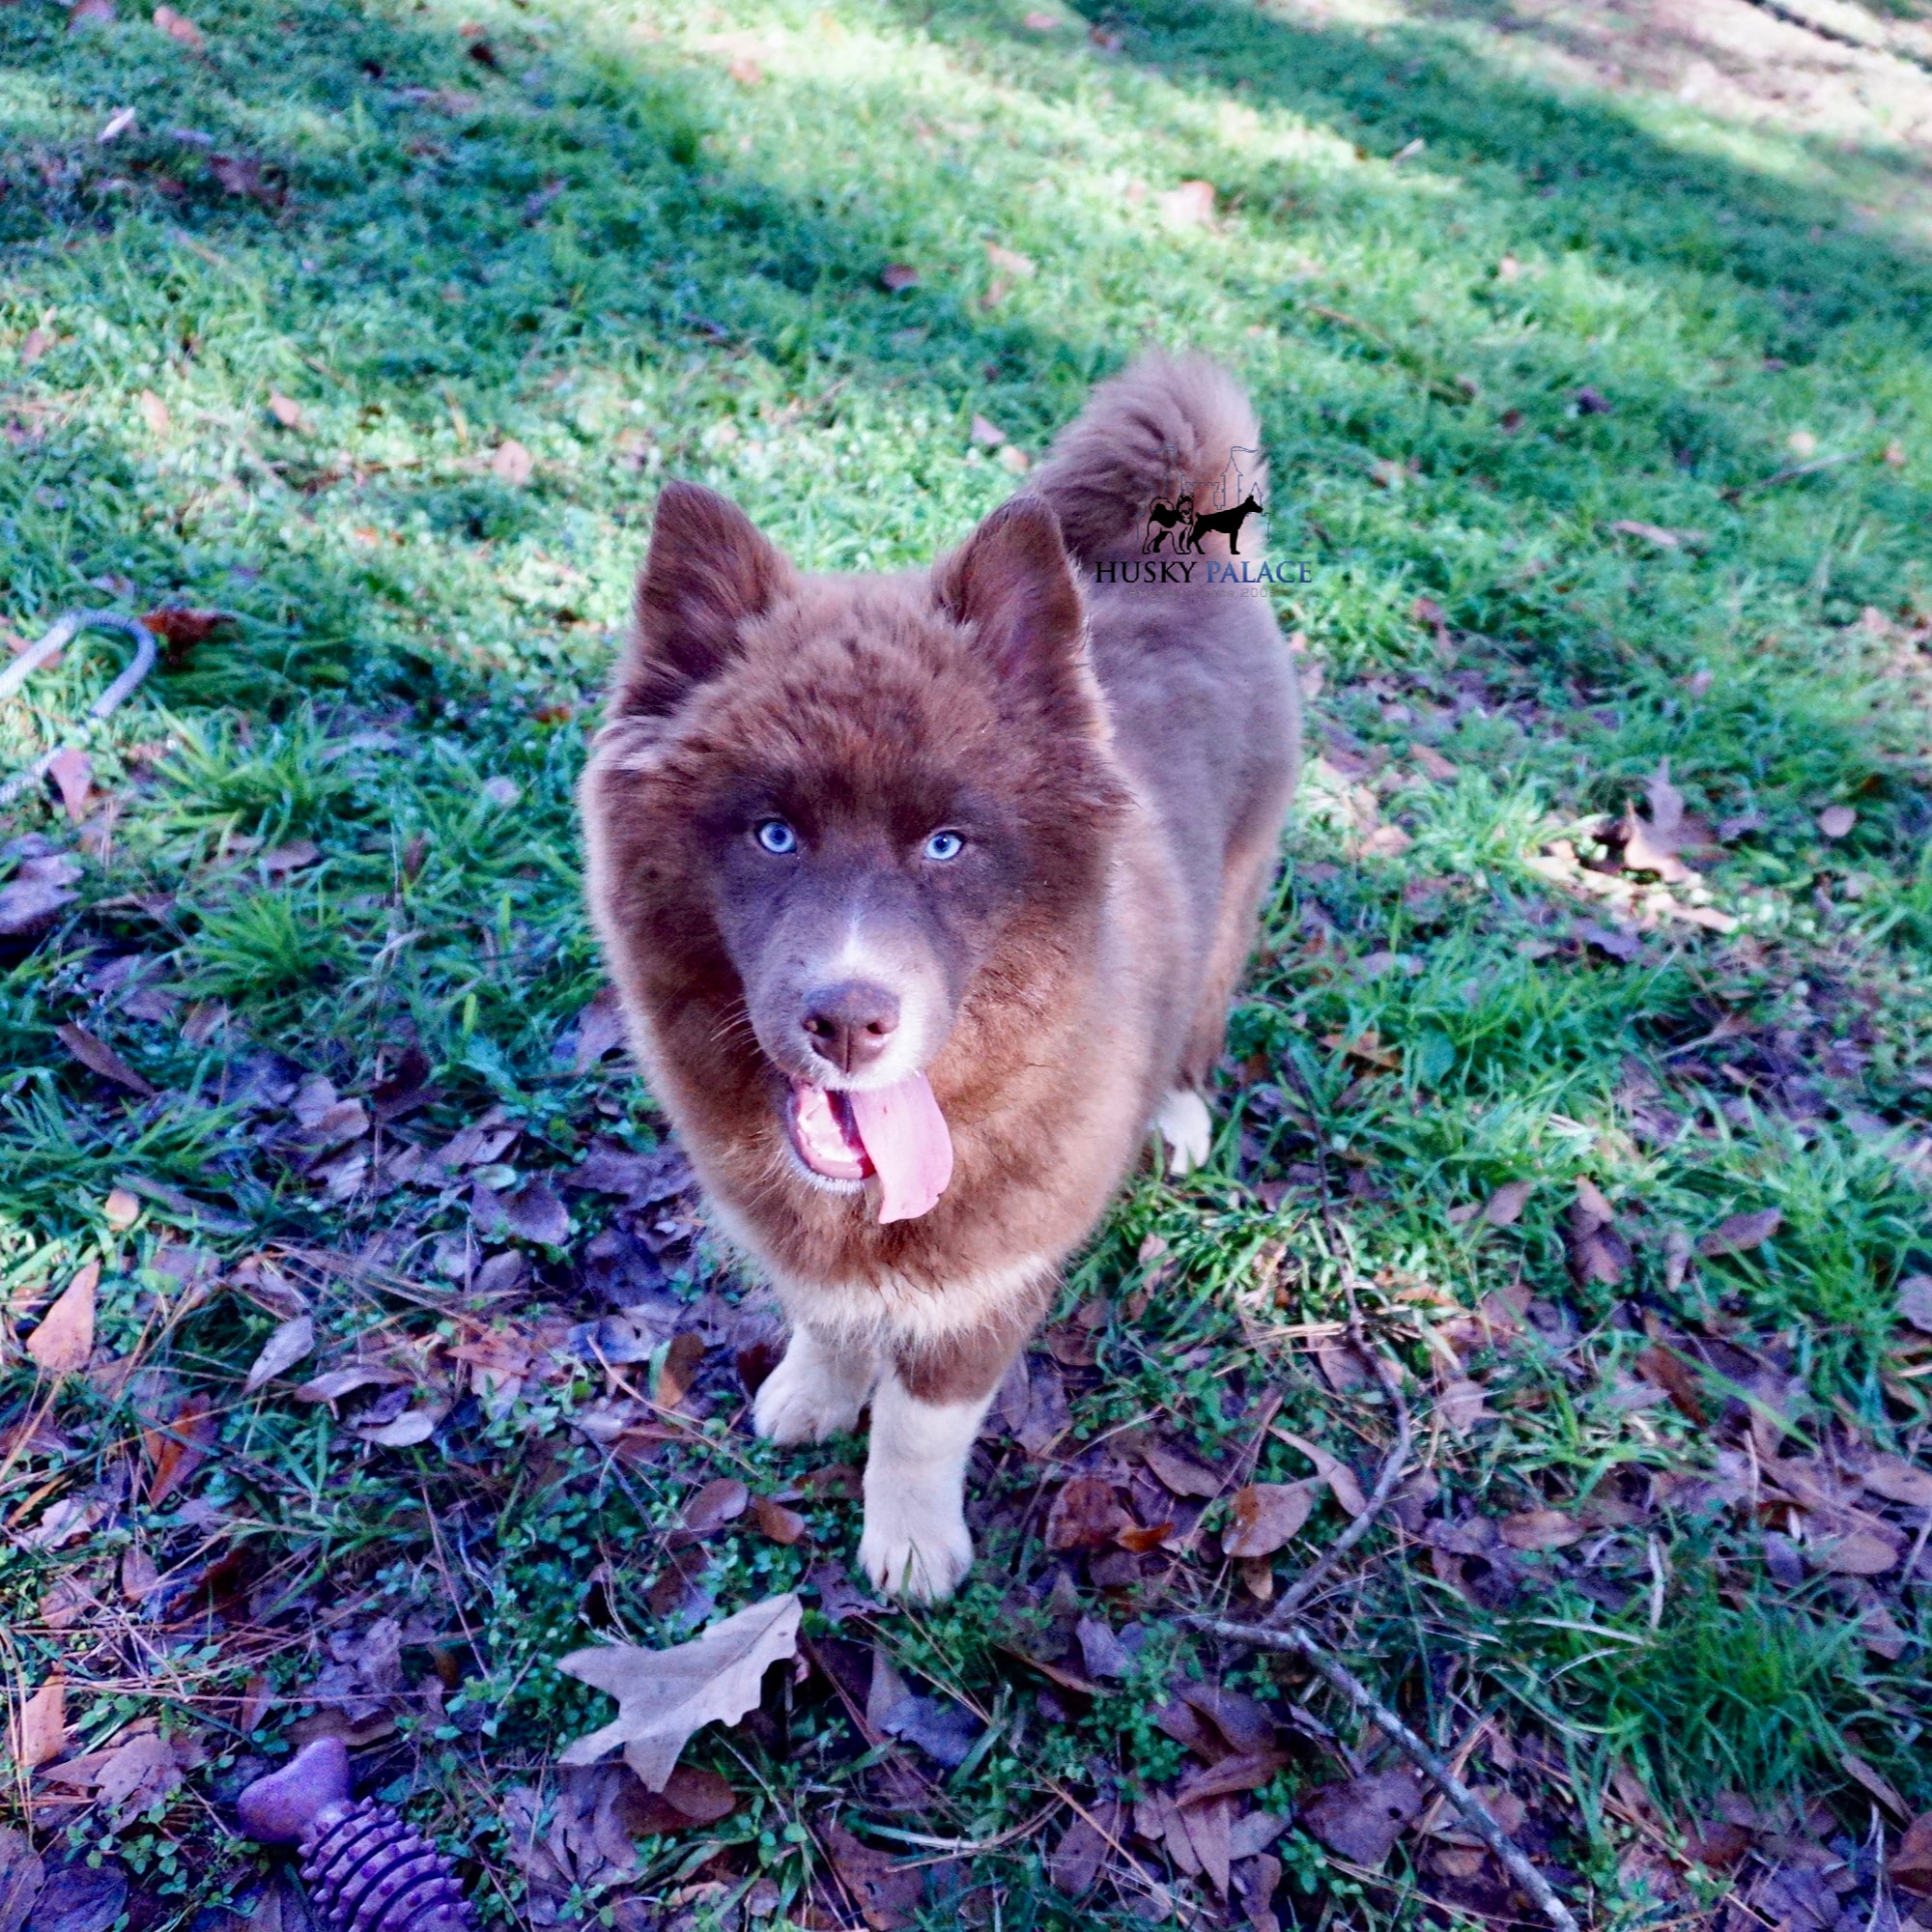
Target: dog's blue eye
(945,846)
(776,836)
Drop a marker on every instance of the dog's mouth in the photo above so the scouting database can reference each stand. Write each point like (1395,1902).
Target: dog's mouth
(896,1134)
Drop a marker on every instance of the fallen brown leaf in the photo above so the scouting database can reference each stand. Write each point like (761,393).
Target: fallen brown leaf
(600,1030)
(180,1448)
(681,1363)
(1859,1553)
(154,413)
(1085,1515)
(99,1057)
(1875,1782)
(511,463)
(41,1731)
(1182,1474)
(1898,1481)
(780,1525)
(1740,1233)
(1665,1369)
(1505,1206)
(287,1345)
(721,1500)
(1191,205)
(1914,1301)
(896,277)
(182,627)
(1074,1866)
(65,1339)
(1362,1818)
(178,27)
(1463,1403)
(1332,1470)
(242,174)
(1541,1530)
(73,771)
(286,410)
(139,1576)
(1835,820)
(1911,1866)
(1266,1515)
(664,1697)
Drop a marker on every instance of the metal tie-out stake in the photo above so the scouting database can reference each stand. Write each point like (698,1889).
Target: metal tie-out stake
(105,706)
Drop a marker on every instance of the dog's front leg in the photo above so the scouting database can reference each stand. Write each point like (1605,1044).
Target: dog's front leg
(818,1389)
(916,1545)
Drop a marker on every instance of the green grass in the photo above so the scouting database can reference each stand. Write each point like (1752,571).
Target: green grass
(647,242)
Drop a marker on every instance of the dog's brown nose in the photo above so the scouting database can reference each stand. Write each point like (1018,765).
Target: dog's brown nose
(851,1023)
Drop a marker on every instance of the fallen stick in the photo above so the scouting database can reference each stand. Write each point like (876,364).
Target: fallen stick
(1323,1567)
(1296,1642)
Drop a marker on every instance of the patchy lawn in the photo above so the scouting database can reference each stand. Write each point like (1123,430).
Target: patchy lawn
(365,1349)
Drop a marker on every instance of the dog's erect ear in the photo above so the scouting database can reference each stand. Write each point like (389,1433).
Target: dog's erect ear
(709,569)
(1012,581)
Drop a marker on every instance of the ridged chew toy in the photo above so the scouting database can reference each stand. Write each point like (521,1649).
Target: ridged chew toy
(366,1870)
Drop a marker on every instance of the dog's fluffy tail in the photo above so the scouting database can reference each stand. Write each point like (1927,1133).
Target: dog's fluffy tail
(1164,427)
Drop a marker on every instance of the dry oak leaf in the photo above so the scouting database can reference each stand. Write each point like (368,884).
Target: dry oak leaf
(666,1696)
(1910,1865)
(1266,1516)
(97,1056)
(286,410)
(1506,1204)
(65,1337)
(1182,1474)
(282,1351)
(780,1525)
(73,771)
(1740,1232)
(1859,1553)
(1914,1301)
(41,1731)
(1332,1470)
(895,277)
(1086,1514)
(1651,845)
(180,28)
(1898,1481)
(1362,1818)
(183,626)
(1541,1530)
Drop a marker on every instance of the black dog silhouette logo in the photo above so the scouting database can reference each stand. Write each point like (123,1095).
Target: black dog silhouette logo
(1180,517)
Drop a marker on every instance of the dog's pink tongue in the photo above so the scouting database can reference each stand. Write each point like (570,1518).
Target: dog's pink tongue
(906,1141)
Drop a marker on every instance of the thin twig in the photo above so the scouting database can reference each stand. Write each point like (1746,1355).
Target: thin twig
(1323,1567)
(1296,1642)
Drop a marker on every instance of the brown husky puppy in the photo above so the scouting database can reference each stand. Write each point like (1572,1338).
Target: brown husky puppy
(926,896)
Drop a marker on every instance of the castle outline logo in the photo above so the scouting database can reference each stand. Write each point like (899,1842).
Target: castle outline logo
(1180,517)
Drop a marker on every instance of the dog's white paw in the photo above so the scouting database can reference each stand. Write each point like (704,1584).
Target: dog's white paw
(799,1402)
(1183,1122)
(913,1549)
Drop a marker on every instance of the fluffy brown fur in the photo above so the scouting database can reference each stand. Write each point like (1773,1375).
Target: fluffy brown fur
(1119,758)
